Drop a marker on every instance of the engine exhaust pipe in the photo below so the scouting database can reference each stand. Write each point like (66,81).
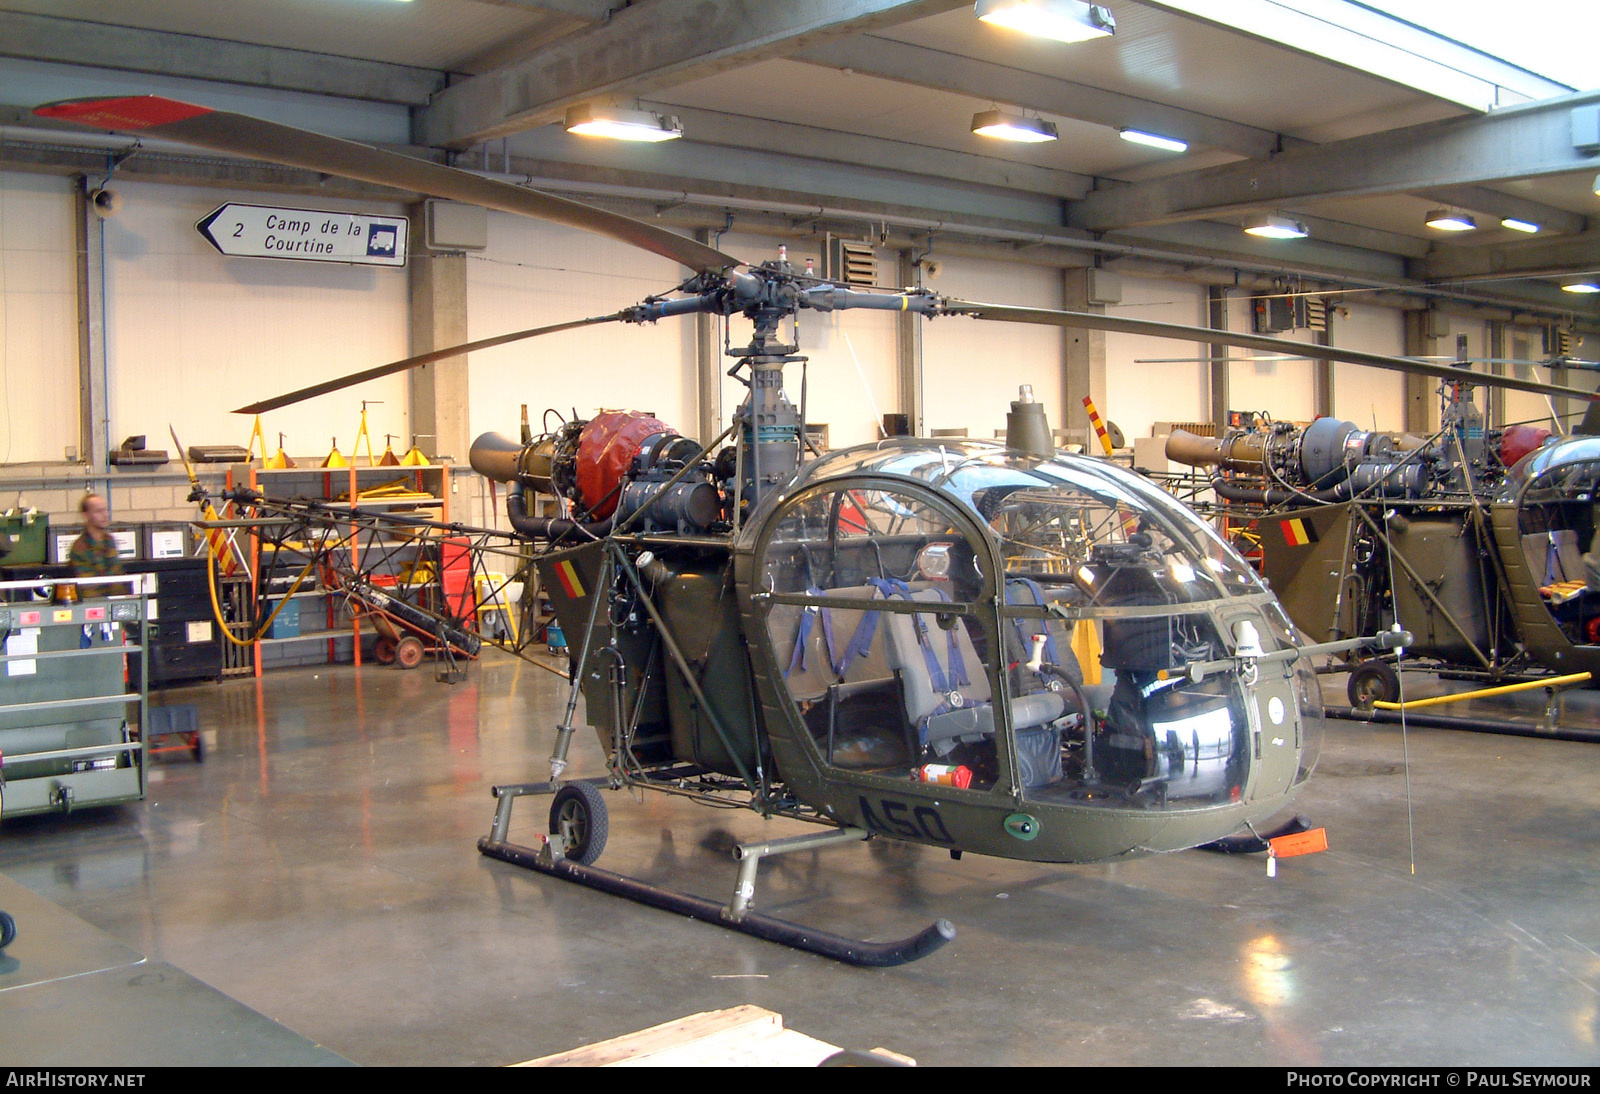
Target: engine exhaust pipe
(498,457)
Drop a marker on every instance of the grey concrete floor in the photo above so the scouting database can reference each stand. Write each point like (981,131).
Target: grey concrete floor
(320,868)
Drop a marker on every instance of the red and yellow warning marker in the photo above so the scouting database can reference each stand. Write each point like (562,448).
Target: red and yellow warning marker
(1099,426)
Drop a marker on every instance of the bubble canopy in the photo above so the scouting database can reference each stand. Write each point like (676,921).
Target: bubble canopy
(1056,514)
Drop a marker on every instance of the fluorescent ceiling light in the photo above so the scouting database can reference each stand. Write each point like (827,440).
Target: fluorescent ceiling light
(1274,226)
(622,125)
(1006,126)
(1446,221)
(1060,20)
(1154,140)
(1519,225)
(1582,284)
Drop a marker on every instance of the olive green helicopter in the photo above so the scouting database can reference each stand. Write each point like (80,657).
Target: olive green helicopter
(992,648)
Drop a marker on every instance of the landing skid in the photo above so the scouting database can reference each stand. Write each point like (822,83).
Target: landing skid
(550,859)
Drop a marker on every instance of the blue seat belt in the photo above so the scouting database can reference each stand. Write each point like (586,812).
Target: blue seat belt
(1022,634)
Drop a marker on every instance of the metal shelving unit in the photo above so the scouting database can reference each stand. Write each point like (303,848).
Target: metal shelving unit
(328,484)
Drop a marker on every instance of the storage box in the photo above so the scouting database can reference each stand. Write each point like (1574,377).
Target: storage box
(24,538)
(63,537)
(166,539)
(287,623)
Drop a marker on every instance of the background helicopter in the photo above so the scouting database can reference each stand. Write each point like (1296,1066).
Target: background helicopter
(880,641)
(1472,538)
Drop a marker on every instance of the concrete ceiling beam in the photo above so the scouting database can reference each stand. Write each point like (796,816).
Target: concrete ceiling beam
(643,48)
(1516,143)
(870,55)
(72,41)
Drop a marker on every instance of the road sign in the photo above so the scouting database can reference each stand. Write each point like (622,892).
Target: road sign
(310,235)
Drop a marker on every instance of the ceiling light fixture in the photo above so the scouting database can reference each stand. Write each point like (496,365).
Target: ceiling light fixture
(1154,140)
(1059,20)
(1005,126)
(1582,284)
(1447,221)
(622,125)
(1519,225)
(1275,226)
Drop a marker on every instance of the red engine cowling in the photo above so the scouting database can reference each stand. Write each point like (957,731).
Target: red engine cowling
(1518,440)
(606,450)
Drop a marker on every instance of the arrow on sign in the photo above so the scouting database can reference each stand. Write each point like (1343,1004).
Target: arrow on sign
(309,235)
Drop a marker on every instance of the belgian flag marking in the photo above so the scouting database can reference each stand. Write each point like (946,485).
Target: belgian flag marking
(567,574)
(1298,532)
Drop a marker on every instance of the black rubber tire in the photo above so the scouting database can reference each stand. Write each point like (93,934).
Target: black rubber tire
(199,748)
(1371,681)
(8,930)
(578,813)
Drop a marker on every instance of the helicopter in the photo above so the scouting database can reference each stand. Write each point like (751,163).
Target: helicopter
(1001,649)
(1473,539)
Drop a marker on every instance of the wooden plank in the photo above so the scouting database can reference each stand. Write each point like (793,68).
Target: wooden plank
(741,1036)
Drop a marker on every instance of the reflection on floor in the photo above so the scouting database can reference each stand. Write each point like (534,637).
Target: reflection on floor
(320,868)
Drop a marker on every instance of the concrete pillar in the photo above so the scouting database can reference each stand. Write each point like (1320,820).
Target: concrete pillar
(93,411)
(1083,359)
(439,319)
(908,349)
(1496,345)
(1422,401)
(1322,406)
(1217,319)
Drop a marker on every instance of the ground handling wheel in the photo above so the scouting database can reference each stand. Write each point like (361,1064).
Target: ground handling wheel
(8,930)
(578,816)
(408,652)
(1373,681)
(383,650)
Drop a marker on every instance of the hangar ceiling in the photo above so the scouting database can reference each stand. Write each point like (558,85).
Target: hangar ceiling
(838,112)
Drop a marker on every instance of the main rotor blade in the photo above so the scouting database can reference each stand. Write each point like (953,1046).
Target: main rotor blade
(238,134)
(421,359)
(1093,321)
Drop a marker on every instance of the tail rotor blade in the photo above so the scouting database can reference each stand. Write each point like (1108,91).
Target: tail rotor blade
(420,359)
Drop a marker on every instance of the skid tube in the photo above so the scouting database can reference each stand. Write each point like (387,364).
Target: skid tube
(734,916)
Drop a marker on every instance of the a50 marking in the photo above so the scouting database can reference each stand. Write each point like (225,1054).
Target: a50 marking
(899,819)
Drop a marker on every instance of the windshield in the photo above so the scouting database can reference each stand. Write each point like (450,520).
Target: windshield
(1066,521)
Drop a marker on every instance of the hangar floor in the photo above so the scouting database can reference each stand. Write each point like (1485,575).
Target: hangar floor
(320,869)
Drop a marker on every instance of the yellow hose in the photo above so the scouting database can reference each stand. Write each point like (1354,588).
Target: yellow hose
(216,606)
(1481,693)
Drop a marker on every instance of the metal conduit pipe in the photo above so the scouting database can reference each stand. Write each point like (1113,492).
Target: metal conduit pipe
(1474,725)
(46,137)
(1231,492)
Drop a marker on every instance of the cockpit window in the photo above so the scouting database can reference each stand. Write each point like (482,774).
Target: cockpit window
(1558,516)
(872,620)
(1055,516)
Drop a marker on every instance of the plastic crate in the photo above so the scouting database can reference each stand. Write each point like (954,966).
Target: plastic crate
(24,538)
(287,623)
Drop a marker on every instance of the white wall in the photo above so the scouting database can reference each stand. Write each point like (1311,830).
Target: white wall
(38,319)
(191,334)
(536,274)
(1139,390)
(972,368)
(1366,395)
